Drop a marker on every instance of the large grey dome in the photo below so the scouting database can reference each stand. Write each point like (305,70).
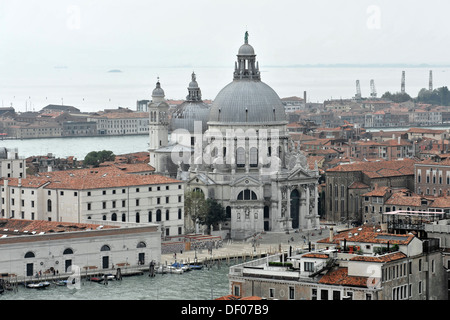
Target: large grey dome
(247,101)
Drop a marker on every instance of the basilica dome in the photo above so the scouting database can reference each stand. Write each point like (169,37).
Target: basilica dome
(191,110)
(247,99)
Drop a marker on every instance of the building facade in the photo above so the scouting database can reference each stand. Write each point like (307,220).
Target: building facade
(11,165)
(346,183)
(98,194)
(29,248)
(247,160)
(355,264)
(121,123)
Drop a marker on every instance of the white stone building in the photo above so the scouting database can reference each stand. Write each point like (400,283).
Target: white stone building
(363,263)
(121,123)
(98,194)
(46,248)
(11,165)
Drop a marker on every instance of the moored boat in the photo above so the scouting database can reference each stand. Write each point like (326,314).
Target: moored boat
(172,269)
(96,279)
(181,266)
(38,285)
(195,267)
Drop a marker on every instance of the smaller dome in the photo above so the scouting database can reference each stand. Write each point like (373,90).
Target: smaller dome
(158,91)
(193,84)
(246,50)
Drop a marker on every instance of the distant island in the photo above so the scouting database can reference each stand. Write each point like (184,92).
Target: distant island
(115,71)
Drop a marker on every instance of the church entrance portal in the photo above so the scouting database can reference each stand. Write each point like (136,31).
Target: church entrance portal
(295,208)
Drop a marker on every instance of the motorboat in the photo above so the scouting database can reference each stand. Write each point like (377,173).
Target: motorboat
(38,285)
(60,283)
(172,269)
(181,266)
(96,279)
(195,267)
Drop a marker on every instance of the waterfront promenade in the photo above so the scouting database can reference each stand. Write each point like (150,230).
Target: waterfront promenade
(263,244)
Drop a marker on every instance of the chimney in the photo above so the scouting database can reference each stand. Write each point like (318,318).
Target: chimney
(331,234)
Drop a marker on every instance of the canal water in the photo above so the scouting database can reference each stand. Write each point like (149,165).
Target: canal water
(206,284)
(78,147)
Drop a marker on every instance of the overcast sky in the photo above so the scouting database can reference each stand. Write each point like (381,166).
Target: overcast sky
(197,33)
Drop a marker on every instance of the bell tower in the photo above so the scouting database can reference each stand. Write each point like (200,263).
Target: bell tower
(158,110)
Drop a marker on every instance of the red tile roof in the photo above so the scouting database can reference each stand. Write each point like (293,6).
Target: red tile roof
(379,168)
(43,226)
(368,234)
(316,255)
(381,259)
(233,297)
(340,277)
(83,179)
(377,192)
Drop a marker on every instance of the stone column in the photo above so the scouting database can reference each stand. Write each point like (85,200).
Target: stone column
(304,206)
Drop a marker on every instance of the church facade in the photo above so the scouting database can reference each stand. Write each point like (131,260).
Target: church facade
(246,160)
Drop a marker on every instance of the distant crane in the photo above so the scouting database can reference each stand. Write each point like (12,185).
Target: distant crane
(403,82)
(430,82)
(358,90)
(373,91)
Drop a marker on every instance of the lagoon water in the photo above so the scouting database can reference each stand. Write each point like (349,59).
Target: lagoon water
(94,88)
(77,146)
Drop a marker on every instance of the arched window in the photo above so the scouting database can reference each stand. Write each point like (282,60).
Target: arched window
(141,245)
(228,212)
(29,254)
(114,217)
(137,217)
(198,190)
(158,215)
(240,157)
(105,248)
(149,216)
(68,251)
(124,217)
(49,205)
(253,157)
(247,195)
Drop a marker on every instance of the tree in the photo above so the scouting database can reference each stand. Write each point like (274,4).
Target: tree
(439,96)
(95,158)
(195,208)
(207,212)
(397,97)
(215,213)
